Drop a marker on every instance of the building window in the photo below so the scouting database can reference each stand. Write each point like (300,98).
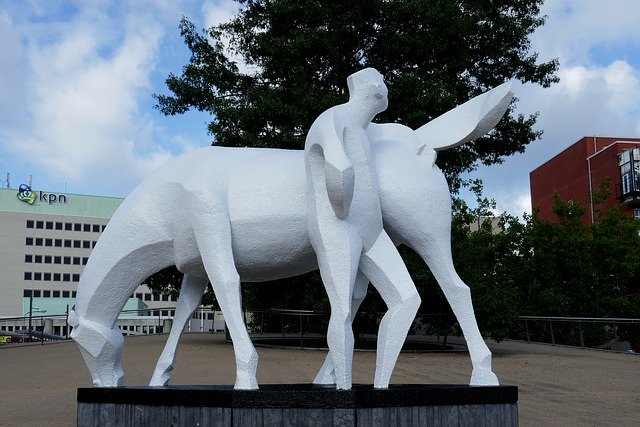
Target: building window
(86,228)
(147,297)
(93,244)
(77,243)
(103,227)
(58,226)
(29,223)
(56,277)
(27,275)
(48,242)
(28,258)
(49,225)
(67,260)
(40,225)
(165,297)
(57,260)
(46,277)
(36,293)
(38,259)
(77,227)
(96,228)
(66,277)
(76,260)
(38,241)
(139,296)
(636,213)
(28,241)
(85,260)
(86,244)
(26,293)
(37,276)
(67,226)
(58,243)
(73,294)
(76,277)
(47,259)
(67,243)
(65,294)
(46,294)
(56,294)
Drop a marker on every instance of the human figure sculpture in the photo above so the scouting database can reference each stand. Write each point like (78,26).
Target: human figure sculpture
(221,214)
(345,226)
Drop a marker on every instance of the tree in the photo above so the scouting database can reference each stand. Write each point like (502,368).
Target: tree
(294,57)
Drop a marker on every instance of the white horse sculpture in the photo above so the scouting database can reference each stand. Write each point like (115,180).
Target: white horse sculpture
(227,214)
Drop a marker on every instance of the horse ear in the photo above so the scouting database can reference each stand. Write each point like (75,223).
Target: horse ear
(466,122)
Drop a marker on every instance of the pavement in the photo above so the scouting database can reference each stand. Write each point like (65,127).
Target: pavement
(558,386)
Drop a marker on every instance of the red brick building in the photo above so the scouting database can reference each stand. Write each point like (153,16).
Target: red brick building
(581,168)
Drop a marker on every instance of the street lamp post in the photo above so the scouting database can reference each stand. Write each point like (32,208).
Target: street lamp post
(32,310)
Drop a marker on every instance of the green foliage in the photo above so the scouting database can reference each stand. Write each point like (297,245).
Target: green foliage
(296,55)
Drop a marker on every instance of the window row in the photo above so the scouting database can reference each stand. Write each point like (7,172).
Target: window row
(55,259)
(66,226)
(60,243)
(46,293)
(154,297)
(52,277)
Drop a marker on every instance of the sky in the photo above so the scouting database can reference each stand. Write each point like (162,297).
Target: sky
(77,79)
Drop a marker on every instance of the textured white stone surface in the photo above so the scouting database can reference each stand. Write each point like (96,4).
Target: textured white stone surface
(222,214)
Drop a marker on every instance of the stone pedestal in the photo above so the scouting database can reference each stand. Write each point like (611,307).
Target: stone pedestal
(300,405)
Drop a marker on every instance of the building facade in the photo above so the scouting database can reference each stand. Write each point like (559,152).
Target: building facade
(45,241)
(578,170)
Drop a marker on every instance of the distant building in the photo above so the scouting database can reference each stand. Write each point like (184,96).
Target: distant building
(45,241)
(580,169)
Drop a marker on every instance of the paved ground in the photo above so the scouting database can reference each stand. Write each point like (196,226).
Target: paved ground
(558,386)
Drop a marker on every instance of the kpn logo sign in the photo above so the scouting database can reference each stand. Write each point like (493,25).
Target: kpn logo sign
(27,195)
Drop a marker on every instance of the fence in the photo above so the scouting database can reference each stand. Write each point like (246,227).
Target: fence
(595,332)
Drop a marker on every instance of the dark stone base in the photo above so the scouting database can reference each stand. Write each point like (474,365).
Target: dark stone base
(299,405)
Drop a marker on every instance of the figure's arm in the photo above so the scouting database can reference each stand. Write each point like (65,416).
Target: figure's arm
(339,175)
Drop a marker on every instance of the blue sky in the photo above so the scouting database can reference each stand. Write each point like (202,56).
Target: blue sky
(77,77)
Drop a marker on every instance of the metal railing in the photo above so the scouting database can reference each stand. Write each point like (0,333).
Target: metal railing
(594,332)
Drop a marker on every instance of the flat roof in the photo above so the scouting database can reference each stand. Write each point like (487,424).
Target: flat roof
(52,203)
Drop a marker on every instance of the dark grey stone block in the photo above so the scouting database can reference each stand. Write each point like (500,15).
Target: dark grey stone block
(299,405)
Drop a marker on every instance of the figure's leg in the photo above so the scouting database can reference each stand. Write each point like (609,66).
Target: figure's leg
(437,255)
(214,243)
(385,269)
(191,292)
(338,268)
(326,374)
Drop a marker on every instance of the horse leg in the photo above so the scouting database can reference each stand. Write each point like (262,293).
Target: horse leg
(326,374)
(214,243)
(385,269)
(437,255)
(191,292)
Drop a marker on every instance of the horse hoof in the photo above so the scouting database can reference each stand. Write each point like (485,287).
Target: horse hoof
(484,377)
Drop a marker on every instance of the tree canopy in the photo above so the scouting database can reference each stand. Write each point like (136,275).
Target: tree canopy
(269,72)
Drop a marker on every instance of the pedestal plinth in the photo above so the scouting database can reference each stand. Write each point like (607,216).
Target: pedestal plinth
(300,405)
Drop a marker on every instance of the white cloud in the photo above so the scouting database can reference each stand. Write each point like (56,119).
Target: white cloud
(598,94)
(87,126)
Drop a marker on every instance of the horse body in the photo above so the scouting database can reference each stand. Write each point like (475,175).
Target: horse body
(228,214)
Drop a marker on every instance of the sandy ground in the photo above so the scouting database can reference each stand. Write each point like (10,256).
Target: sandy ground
(557,385)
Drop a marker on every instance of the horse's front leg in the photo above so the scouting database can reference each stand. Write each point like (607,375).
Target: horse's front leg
(191,293)
(385,269)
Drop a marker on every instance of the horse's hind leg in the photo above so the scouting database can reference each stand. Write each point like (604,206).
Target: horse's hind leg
(438,258)
(191,292)
(326,374)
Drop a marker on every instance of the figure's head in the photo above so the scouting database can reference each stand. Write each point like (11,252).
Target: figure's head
(368,86)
